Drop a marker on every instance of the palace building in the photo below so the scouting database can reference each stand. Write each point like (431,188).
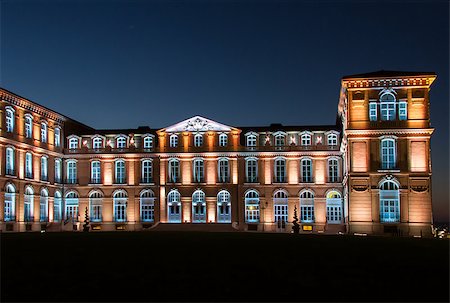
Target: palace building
(370,172)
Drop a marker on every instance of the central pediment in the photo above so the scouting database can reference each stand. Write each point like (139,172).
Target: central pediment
(197,124)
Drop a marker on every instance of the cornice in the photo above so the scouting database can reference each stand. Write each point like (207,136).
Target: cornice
(380,132)
(388,82)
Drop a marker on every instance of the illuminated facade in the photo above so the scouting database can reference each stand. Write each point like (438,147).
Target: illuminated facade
(370,172)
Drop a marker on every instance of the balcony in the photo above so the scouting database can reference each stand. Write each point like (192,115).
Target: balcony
(146,180)
(306,179)
(280,180)
(10,172)
(71,181)
(95,181)
(251,180)
(120,181)
(44,178)
(334,179)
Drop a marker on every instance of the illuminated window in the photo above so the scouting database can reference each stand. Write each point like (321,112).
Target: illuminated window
(389,202)
(44,132)
(71,209)
(223,140)
(198,170)
(174,206)
(10,167)
(223,171)
(251,140)
(280,207)
(198,207)
(280,170)
(72,172)
(147,202)
(251,170)
(57,138)
(121,142)
(388,160)
(306,139)
(146,173)
(28,204)
(58,170)
(43,206)
(120,172)
(332,139)
(307,206)
(57,207)
(373,111)
(280,140)
(44,168)
(252,207)
(120,206)
(174,170)
(402,111)
(10,203)
(223,207)
(173,140)
(148,142)
(95,172)
(9,119)
(334,208)
(198,140)
(28,126)
(28,165)
(97,143)
(96,203)
(333,170)
(387,107)
(306,170)
(73,143)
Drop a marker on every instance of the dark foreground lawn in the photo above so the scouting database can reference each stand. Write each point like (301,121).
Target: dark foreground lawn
(196,266)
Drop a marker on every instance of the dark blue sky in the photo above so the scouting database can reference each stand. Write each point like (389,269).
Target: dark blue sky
(122,64)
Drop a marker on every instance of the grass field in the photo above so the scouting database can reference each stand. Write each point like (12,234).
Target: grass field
(199,266)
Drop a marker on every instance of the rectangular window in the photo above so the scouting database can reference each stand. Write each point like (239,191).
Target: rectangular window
(28,127)
(58,171)
(174,171)
(252,171)
(307,213)
(95,173)
(57,137)
(71,172)
(28,166)
(333,171)
(373,111)
(9,161)
(43,132)
(44,166)
(198,171)
(120,172)
(223,171)
(403,111)
(146,172)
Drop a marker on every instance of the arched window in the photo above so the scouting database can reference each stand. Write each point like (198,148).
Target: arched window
(174,170)
(43,206)
(223,207)
(280,207)
(280,170)
(306,170)
(10,161)
(173,140)
(333,170)
(252,207)
(95,203)
(29,126)
(387,107)
(223,140)
(174,206)
(251,141)
(44,168)
(28,204)
(198,207)
(71,211)
(388,156)
(198,170)
(306,139)
(147,202)
(44,132)
(57,137)
(28,165)
(389,202)
(10,203)
(121,142)
(251,170)
(148,142)
(334,207)
(198,140)
(57,207)
(223,171)
(97,143)
(96,177)
(119,172)
(120,206)
(9,119)
(332,139)
(280,140)
(146,171)
(307,206)
(58,171)
(73,143)
(72,172)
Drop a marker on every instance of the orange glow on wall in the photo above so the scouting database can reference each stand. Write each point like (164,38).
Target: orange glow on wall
(36,167)
(359,153)
(211,209)
(162,140)
(320,210)
(210,137)
(267,171)
(162,171)
(320,171)
(186,171)
(108,172)
(131,172)
(186,209)
(186,141)
(211,171)
(21,171)
(418,156)
(293,171)
(235,138)
(162,204)
(234,171)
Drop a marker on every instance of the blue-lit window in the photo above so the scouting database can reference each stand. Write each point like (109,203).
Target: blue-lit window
(332,139)
(280,140)
(174,170)
(9,119)
(387,107)
(57,138)
(173,140)
(97,143)
(29,126)
(198,170)
(121,142)
(120,206)
(388,157)
(252,207)
(223,207)
(280,170)
(198,207)
(57,210)
(71,210)
(389,202)
(147,206)
(96,204)
(403,111)
(72,172)
(10,161)
(223,140)
(198,140)
(44,132)
(146,174)
(148,142)
(333,170)
(73,143)
(307,206)
(28,205)
(306,170)
(223,171)
(251,140)
(251,170)
(10,203)
(44,168)
(306,139)
(58,171)
(334,208)
(174,206)
(95,172)
(373,111)
(120,172)
(43,206)
(28,165)
(280,206)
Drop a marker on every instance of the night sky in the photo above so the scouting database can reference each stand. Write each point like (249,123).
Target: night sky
(123,64)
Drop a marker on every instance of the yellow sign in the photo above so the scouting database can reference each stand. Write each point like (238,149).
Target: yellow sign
(307,227)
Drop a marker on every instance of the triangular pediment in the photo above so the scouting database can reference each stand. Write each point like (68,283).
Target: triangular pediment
(197,124)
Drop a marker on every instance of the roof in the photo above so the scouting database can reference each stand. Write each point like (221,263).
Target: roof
(286,128)
(389,74)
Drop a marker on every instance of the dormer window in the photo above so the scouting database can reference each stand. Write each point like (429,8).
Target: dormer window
(332,139)
(387,107)
(73,143)
(97,143)
(148,142)
(223,140)
(173,140)
(251,140)
(121,142)
(280,140)
(198,140)
(306,139)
